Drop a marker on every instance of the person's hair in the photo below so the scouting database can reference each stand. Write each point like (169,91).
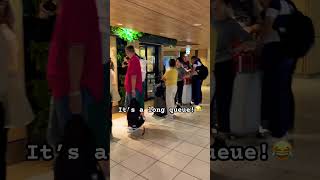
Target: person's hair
(180,59)
(194,57)
(172,63)
(130,49)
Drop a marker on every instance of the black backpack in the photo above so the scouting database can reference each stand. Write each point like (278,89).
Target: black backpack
(134,117)
(296,32)
(202,71)
(85,167)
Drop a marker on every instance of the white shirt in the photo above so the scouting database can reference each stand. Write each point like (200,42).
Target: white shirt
(273,12)
(143,64)
(12,89)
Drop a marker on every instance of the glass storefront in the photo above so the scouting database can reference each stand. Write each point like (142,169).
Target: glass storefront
(151,54)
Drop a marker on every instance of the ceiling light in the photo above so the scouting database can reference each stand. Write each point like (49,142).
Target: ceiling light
(119,24)
(197,25)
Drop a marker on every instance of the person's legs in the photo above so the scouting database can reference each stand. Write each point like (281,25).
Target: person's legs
(285,117)
(224,87)
(127,100)
(197,86)
(194,89)
(63,115)
(3,144)
(143,93)
(96,119)
(170,93)
(200,89)
(277,96)
(179,92)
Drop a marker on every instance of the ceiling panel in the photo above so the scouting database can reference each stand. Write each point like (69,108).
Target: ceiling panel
(168,18)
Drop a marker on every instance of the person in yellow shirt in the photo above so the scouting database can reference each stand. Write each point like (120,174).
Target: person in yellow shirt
(171,79)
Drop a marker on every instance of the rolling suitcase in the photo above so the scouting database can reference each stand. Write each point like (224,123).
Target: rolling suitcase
(245,111)
(160,100)
(187,94)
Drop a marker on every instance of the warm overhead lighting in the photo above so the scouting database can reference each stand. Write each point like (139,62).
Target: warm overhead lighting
(119,24)
(197,25)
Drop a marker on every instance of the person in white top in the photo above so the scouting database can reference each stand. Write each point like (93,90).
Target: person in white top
(143,64)
(277,95)
(115,97)
(15,110)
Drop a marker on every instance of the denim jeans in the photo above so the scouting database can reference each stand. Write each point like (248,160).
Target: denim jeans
(225,76)
(180,85)
(196,90)
(139,98)
(61,114)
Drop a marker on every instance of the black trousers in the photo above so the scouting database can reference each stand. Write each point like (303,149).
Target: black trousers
(278,107)
(224,74)
(180,85)
(3,143)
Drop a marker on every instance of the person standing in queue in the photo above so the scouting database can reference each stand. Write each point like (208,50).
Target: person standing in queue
(196,81)
(133,80)
(278,69)
(15,110)
(181,74)
(171,78)
(228,31)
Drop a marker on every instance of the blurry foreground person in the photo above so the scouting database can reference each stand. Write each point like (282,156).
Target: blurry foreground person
(75,74)
(15,110)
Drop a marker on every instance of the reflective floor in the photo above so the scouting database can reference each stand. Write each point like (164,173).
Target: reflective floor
(305,162)
(179,149)
(170,149)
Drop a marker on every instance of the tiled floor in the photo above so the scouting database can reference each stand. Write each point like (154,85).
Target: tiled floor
(305,162)
(170,149)
(166,142)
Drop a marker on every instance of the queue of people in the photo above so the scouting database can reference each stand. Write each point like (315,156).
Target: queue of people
(262,39)
(179,75)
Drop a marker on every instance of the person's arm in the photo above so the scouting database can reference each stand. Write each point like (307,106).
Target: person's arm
(76,61)
(164,77)
(271,14)
(133,84)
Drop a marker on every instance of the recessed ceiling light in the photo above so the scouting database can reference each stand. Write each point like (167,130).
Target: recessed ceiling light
(120,24)
(197,25)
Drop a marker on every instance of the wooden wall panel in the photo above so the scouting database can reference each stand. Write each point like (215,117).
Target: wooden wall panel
(168,18)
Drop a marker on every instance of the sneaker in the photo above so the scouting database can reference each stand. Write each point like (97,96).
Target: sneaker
(132,130)
(170,117)
(198,108)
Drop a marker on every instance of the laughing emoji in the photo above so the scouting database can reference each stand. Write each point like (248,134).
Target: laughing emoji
(282,150)
(198,108)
